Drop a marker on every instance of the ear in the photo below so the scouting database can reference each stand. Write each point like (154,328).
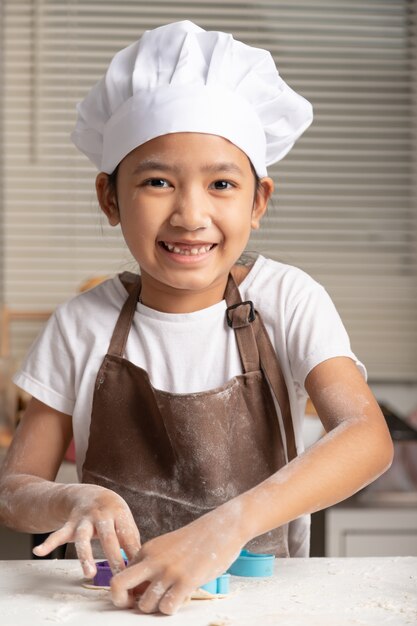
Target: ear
(262,196)
(107,199)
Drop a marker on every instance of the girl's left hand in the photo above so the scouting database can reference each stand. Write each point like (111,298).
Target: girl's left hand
(172,566)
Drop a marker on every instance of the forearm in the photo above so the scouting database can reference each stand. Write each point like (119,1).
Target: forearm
(344,461)
(29,499)
(32,504)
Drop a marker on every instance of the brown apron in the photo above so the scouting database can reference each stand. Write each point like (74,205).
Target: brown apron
(174,457)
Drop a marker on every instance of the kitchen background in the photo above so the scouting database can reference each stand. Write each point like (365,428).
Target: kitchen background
(345,207)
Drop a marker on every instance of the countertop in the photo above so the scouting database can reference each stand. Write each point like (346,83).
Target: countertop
(303,592)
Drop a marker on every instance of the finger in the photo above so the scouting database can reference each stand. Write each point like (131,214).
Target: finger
(58,538)
(174,598)
(129,579)
(139,590)
(110,544)
(151,597)
(83,535)
(128,535)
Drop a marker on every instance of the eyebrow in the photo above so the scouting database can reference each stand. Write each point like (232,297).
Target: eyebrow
(226,166)
(210,168)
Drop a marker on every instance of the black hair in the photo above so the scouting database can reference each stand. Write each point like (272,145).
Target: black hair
(258,184)
(112,180)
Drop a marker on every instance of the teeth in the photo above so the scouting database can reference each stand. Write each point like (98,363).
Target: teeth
(189,251)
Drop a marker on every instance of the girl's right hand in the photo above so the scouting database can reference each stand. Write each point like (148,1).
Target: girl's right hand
(95,512)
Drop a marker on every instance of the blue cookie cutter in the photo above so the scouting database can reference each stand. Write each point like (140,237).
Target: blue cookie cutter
(219,585)
(252,564)
(247,564)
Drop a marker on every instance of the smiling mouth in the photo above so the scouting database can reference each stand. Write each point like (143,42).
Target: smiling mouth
(187,249)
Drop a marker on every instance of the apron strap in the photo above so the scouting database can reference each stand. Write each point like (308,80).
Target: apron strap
(240,316)
(273,372)
(133,285)
(256,352)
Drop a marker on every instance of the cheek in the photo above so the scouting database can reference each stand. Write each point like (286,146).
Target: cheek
(137,217)
(141,228)
(237,212)
(240,220)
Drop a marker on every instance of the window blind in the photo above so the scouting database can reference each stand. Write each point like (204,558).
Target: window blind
(344,208)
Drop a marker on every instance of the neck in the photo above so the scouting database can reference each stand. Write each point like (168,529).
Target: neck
(167,299)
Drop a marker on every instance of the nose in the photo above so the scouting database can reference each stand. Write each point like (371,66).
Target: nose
(191,211)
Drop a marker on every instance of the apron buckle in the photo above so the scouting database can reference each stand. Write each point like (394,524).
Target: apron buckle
(243,317)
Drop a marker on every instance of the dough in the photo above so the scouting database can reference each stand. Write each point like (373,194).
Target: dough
(202,594)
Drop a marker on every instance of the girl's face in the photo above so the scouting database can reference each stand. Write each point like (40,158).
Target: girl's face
(186,203)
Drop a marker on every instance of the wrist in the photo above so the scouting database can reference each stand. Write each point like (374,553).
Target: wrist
(67,497)
(238,514)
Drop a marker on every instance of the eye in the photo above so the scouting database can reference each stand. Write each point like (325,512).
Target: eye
(222,185)
(160,183)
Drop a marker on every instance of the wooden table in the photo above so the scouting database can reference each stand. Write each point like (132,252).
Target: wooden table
(303,592)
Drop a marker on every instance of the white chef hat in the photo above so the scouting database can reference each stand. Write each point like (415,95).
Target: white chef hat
(181,78)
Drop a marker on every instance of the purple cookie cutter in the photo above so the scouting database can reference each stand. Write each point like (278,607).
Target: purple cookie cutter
(104,574)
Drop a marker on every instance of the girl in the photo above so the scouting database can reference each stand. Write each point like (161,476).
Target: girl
(184,388)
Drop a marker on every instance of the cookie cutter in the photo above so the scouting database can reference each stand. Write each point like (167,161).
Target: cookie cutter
(219,585)
(252,565)
(103,575)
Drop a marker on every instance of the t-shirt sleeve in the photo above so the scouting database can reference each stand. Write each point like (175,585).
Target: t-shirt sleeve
(47,372)
(315,333)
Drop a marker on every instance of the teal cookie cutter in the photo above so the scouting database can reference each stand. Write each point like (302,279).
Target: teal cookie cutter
(247,564)
(219,585)
(253,565)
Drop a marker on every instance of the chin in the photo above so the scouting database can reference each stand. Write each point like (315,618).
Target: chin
(190,285)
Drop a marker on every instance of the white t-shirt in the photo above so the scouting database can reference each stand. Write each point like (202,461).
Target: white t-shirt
(184,353)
